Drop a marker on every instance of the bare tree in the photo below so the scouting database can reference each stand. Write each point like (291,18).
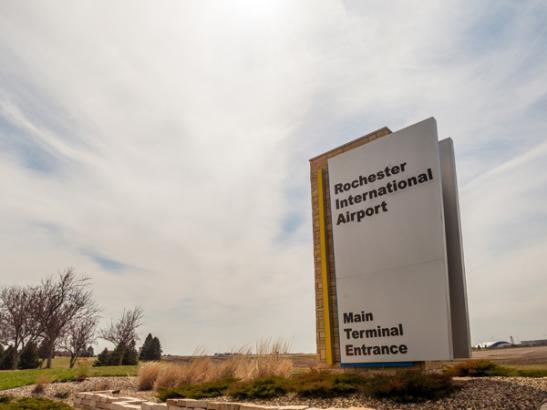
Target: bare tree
(79,334)
(61,301)
(124,331)
(18,326)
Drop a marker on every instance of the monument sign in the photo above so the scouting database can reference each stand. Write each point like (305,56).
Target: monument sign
(390,272)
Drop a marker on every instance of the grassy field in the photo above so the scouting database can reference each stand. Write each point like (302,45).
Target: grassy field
(10,379)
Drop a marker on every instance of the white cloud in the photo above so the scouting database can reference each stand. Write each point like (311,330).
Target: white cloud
(174,138)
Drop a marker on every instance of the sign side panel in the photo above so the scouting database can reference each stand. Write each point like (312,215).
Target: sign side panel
(456,268)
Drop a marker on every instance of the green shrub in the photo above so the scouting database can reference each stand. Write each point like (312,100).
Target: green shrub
(326,384)
(112,358)
(8,358)
(478,368)
(131,356)
(410,386)
(29,358)
(32,404)
(196,391)
(261,388)
(103,359)
(481,368)
(404,387)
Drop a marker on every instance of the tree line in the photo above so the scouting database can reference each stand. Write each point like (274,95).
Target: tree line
(61,315)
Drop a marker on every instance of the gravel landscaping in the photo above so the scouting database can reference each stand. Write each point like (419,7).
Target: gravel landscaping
(474,393)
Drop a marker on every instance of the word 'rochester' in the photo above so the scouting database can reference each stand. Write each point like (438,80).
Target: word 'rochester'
(394,185)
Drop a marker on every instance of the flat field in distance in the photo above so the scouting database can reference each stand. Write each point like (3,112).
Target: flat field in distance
(515,355)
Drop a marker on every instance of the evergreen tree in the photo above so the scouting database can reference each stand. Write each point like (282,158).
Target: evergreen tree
(103,359)
(89,351)
(8,358)
(131,356)
(1,351)
(29,358)
(146,348)
(156,349)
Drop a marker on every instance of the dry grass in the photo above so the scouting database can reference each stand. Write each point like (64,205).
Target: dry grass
(147,375)
(41,382)
(268,360)
(82,372)
(168,376)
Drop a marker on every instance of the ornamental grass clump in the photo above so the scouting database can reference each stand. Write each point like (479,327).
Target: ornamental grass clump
(147,375)
(269,360)
(41,383)
(82,372)
(169,376)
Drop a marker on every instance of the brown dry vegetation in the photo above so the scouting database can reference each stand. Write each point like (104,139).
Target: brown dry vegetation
(269,360)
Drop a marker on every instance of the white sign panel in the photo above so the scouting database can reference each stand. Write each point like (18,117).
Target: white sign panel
(389,247)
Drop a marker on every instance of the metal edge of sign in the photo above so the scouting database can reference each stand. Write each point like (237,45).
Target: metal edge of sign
(459,310)
(377,364)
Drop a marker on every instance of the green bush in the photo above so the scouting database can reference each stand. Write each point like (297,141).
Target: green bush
(29,358)
(481,368)
(477,368)
(197,391)
(326,384)
(410,386)
(103,359)
(112,358)
(261,388)
(404,387)
(8,358)
(31,404)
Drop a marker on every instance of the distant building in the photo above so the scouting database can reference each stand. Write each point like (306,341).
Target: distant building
(499,344)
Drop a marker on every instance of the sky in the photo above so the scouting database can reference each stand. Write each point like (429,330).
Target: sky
(161,149)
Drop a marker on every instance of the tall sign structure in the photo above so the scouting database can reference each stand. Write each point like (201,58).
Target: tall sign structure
(389,273)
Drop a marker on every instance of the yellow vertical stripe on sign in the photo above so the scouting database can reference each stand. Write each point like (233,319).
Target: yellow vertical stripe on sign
(325,282)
